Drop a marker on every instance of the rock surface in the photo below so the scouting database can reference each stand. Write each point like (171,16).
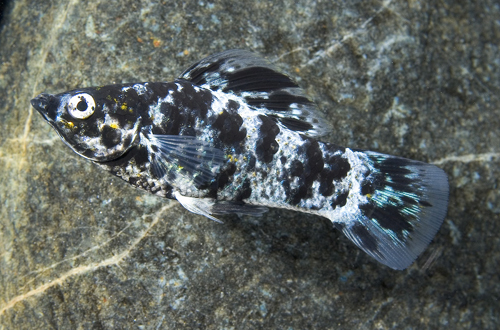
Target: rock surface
(80,249)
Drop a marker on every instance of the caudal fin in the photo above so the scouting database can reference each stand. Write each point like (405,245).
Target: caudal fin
(407,203)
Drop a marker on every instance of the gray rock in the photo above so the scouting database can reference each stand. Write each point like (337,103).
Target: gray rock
(80,249)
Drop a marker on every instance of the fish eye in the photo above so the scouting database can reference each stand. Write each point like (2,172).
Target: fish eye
(81,106)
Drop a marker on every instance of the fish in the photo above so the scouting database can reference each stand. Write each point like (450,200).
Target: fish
(233,135)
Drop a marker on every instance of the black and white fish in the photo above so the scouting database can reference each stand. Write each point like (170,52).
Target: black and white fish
(233,135)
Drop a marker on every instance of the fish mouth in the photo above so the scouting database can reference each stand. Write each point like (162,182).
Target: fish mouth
(42,103)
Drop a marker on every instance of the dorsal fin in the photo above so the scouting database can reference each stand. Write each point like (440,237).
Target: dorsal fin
(263,88)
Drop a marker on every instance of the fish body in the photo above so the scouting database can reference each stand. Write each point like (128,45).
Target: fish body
(233,135)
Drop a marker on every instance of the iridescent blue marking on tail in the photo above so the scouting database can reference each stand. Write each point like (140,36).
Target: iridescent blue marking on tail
(407,205)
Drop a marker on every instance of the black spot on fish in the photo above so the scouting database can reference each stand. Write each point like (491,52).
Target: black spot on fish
(326,186)
(159,90)
(339,167)
(141,156)
(298,194)
(340,200)
(251,163)
(335,168)
(266,145)
(191,100)
(134,181)
(296,168)
(283,160)
(130,101)
(225,176)
(186,107)
(123,107)
(263,173)
(390,217)
(244,191)
(312,167)
(232,106)
(367,209)
(174,120)
(110,136)
(168,190)
(229,124)
(314,163)
(315,207)
(367,187)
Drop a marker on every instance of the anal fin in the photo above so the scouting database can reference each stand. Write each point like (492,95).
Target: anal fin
(201,206)
(209,206)
(239,208)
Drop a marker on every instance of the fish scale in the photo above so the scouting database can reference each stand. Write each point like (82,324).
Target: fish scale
(234,135)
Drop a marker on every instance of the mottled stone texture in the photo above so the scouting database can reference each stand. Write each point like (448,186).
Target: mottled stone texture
(80,249)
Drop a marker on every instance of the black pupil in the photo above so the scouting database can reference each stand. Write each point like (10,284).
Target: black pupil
(82,105)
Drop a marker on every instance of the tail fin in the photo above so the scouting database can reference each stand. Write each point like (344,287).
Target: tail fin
(407,203)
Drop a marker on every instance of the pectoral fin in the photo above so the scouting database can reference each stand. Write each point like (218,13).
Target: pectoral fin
(186,156)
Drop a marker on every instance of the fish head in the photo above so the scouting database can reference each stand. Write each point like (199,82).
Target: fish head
(99,124)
